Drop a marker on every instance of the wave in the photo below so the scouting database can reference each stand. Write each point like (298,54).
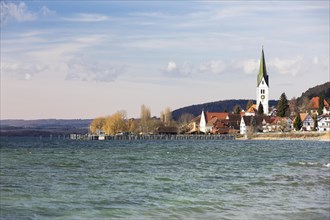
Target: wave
(309,164)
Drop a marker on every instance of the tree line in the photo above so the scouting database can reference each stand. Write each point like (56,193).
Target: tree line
(119,123)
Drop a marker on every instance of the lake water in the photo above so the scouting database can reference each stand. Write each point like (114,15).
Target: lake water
(65,179)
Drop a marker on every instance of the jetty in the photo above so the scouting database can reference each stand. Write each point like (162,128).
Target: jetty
(155,137)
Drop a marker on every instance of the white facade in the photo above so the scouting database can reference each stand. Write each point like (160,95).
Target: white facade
(242,129)
(323,123)
(263,95)
(308,123)
(326,111)
(202,123)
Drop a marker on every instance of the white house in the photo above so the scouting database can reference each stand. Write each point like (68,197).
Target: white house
(243,125)
(261,123)
(323,122)
(326,111)
(208,119)
(307,121)
(282,124)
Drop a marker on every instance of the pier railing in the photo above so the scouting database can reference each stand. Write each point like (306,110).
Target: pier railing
(157,137)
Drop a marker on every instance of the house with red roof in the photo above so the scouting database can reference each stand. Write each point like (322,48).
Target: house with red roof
(220,127)
(208,119)
(282,124)
(313,106)
(257,123)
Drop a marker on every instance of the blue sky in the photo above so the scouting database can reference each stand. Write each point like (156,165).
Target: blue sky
(83,59)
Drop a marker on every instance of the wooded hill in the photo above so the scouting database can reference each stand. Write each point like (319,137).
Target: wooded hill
(218,106)
(323,89)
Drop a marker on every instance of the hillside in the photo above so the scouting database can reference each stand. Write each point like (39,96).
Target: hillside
(218,106)
(43,127)
(316,91)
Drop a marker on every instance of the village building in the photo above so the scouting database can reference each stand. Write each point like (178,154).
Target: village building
(220,127)
(281,124)
(307,122)
(323,122)
(263,85)
(252,111)
(313,106)
(234,122)
(208,119)
(194,125)
(166,130)
(326,111)
(255,124)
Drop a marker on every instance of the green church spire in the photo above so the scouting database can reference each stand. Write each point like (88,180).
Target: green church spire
(262,69)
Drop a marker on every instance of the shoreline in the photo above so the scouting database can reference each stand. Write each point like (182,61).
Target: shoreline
(308,136)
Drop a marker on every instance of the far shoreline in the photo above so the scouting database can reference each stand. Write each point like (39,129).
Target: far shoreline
(307,136)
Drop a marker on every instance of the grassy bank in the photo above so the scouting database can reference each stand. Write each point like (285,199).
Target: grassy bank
(317,136)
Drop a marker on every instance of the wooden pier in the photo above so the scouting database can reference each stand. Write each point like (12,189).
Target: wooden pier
(156,137)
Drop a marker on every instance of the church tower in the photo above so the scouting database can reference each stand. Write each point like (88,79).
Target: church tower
(263,85)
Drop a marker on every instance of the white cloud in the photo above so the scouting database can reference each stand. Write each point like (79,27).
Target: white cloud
(173,70)
(171,66)
(150,14)
(22,70)
(46,11)
(86,69)
(11,11)
(87,17)
(16,11)
(293,66)
(213,66)
(250,66)
(287,66)
(27,76)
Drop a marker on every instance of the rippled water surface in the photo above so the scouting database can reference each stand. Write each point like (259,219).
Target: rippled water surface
(63,179)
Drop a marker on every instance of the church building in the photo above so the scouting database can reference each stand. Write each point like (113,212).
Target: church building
(263,85)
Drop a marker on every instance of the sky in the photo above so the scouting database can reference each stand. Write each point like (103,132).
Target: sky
(84,59)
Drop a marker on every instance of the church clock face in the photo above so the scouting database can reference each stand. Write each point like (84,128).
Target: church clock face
(262,97)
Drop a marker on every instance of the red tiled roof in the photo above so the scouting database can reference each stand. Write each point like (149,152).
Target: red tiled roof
(314,103)
(219,115)
(277,119)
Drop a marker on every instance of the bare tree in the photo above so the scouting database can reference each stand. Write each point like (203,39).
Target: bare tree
(167,116)
(283,125)
(145,117)
(185,118)
(293,106)
(304,105)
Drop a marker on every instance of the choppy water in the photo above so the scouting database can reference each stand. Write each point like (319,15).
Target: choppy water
(63,179)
